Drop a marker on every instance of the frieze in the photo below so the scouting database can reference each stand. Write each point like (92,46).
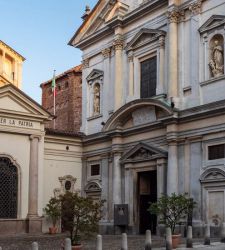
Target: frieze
(16,123)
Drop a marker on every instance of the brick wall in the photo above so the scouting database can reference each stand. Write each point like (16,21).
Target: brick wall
(68,100)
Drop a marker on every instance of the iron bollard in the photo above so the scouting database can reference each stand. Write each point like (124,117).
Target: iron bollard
(148,240)
(168,239)
(223,233)
(67,244)
(189,243)
(207,235)
(124,242)
(99,242)
(34,246)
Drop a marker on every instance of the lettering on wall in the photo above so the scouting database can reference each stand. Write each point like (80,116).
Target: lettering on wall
(16,123)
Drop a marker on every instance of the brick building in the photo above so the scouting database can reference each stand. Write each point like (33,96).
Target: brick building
(68,100)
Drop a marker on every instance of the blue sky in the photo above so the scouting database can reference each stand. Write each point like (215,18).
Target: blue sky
(40,30)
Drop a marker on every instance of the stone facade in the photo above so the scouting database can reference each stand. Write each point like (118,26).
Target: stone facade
(171,141)
(10,66)
(68,100)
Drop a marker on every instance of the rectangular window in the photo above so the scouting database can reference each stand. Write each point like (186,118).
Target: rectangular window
(216,152)
(148,77)
(95,170)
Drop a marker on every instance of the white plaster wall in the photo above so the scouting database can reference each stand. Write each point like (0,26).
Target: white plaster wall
(59,162)
(18,147)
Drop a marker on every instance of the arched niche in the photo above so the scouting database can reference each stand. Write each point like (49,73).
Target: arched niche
(216,55)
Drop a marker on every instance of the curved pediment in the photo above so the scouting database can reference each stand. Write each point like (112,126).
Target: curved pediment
(212,175)
(143,37)
(138,112)
(143,152)
(93,186)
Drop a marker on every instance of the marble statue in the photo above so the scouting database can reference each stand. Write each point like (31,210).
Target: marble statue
(216,64)
(96,99)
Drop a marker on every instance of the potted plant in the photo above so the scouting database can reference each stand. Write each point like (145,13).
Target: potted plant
(171,209)
(53,212)
(80,216)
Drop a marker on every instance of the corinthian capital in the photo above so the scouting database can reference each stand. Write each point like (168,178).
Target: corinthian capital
(85,63)
(106,52)
(118,44)
(175,15)
(195,7)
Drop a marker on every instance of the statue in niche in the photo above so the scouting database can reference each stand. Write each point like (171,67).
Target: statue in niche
(96,101)
(216,64)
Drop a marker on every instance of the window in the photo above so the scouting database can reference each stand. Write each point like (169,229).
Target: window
(66,84)
(216,152)
(148,77)
(95,170)
(8,189)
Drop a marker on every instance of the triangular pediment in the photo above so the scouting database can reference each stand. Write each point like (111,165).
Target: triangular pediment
(95,74)
(212,23)
(103,12)
(15,102)
(143,152)
(143,37)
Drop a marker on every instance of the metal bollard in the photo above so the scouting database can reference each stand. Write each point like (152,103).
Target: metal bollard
(124,242)
(99,242)
(67,244)
(189,243)
(168,239)
(34,246)
(148,240)
(207,235)
(223,233)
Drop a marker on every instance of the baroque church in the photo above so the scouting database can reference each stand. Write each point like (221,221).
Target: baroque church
(153,108)
(153,115)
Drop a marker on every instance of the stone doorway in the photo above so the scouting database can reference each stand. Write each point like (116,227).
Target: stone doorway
(147,192)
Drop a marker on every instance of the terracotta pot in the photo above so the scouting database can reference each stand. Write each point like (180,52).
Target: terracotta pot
(52,230)
(175,240)
(78,247)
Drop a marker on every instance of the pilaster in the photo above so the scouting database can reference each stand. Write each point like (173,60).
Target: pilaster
(131,74)
(118,47)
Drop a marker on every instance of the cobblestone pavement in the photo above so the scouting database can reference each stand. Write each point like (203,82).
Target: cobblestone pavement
(48,242)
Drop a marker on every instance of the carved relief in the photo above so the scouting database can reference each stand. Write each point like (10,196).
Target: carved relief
(96,102)
(142,154)
(67,183)
(216,63)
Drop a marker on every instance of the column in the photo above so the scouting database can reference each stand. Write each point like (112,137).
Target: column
(174,16)
(117,178)
(161,177)
(118,46)
(33,177)
(34,222)
(160,86)
(172,169)
(131,74)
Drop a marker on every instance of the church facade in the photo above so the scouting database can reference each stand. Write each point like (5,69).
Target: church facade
(153,108)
